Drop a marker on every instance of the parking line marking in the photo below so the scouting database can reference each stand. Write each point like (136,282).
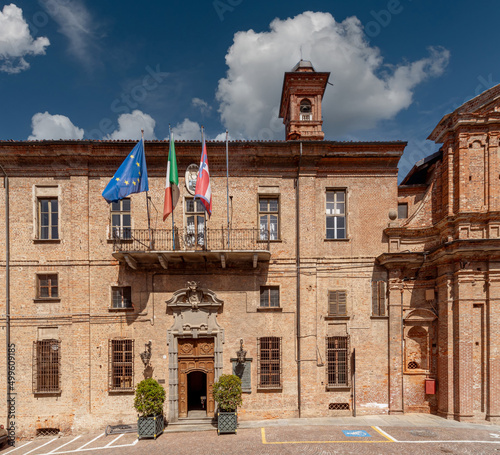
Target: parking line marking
(383,433)
(39,447)
(116,439)
(95,448)
(60,447)
(264,441)
(90,442)
(17,448)
(444,442)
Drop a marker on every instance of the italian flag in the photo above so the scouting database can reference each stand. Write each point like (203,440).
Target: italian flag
(172,182)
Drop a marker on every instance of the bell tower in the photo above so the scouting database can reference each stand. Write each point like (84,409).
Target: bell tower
(300,109)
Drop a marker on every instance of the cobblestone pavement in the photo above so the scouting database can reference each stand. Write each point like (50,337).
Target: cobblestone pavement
(413,434)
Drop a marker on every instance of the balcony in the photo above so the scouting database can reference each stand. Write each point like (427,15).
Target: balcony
(141,248)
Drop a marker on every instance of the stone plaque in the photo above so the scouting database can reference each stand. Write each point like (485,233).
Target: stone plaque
(243,371)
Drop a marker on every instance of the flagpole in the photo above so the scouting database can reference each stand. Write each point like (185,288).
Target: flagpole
(173,224)
(147,200)
(227,187)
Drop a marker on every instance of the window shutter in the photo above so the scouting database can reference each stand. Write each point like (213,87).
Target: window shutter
(337,303)
(342,302)
(332,303)
(375,291)
(381,297)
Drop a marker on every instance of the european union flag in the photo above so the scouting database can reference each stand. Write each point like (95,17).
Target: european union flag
(131,176)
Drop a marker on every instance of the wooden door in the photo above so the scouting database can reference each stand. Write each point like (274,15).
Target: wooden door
(195,354)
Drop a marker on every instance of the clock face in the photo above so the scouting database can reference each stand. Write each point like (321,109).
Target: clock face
(191,175)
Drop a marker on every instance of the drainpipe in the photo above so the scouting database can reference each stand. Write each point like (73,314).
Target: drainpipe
(297,242)
(7,281)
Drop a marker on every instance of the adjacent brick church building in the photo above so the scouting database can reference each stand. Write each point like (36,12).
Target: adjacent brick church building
(325,286)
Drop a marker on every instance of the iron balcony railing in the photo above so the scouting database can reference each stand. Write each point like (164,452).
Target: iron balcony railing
(126,239)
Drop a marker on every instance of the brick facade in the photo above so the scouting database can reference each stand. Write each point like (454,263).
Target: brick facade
(440,269)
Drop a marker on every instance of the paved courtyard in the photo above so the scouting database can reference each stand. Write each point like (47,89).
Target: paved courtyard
(415,434)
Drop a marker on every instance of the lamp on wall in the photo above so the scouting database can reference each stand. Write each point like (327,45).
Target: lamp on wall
(146,355)
(241,354)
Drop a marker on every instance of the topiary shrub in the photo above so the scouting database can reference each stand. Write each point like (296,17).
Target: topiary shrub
(227,392)
(149,398)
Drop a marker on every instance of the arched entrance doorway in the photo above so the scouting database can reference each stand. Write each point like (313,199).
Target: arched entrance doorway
(195,343)
(196,375)
(197,392)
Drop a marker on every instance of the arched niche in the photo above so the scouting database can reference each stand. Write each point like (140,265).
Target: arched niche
(419,335)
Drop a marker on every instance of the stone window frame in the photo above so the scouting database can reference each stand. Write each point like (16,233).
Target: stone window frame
(46,367)
(194,238)
(269,288)
(46,192)
(120,230)
(335,216)
(113,298)
(120,365)
(268,214)
(38,293)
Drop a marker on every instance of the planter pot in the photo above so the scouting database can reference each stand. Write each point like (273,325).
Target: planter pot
(150,427)
(227,422)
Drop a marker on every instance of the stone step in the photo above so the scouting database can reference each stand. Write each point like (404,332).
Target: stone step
(198,421)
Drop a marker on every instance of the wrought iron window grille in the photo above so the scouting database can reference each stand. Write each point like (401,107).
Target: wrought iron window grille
(121,365)
(46,366)
(338,361)
(269,363)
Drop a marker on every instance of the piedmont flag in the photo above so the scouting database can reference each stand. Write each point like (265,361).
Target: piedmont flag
(131,176)
(203,189)
(172,183)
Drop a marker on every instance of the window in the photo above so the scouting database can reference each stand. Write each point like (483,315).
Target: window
(47,286)
(47,366)
(269,218)
(121,365)
(121,227)
(269,362)
(195,223)
(48,219)
(269,296)
(402,210)
(337,303)
(335,215)
(121,297)
(378,298)
(337,357)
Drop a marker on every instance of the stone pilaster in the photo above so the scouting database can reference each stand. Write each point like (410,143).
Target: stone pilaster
(445,344)
(493,343)
(395,343)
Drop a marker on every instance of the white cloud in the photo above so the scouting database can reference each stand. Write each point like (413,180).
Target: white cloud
(16,41)
(47,126)
(202,105)
(222,137)
(76,23)
(187,131)
(364,92)
(130,125)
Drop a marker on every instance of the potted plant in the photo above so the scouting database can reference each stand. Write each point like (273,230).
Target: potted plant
(148,401)
(227,394)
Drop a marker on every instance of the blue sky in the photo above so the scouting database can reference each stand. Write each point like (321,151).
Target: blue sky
(104,70)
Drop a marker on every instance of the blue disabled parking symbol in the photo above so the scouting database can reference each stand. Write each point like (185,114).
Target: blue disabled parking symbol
(356,433)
